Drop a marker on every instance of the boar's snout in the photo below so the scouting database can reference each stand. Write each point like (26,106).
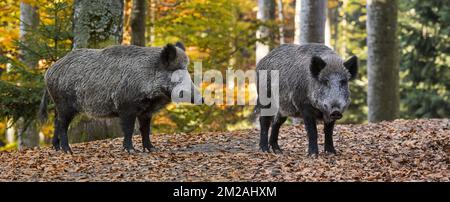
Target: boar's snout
(334,110)
(335,115)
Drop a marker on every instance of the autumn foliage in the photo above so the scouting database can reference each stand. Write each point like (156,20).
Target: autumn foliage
(414,150)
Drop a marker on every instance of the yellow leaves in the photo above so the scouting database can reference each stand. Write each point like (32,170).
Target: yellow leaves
(333,3)
(2,127)
(163,120)
(9,21)
(31,2)
(48,129)
(195,54)
(7,37)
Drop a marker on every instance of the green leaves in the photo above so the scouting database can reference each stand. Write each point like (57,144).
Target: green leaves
(425,58)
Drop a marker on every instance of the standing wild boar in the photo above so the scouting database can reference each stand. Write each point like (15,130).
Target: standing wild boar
(313,84)
(128,82)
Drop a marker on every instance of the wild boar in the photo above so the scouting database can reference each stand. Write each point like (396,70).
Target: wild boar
(313,85)
(128,82)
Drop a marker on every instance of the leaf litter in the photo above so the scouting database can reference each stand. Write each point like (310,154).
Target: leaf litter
(400,150)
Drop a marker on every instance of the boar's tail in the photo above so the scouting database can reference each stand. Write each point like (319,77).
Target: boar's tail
(43,107)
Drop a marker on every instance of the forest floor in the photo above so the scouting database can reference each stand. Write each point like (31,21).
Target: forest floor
(401,150)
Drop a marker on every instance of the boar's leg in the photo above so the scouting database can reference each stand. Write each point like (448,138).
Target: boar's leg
(127,121)
(144,127)
(311,129)
(55,139)
(328,130)
(264,122)
(63,119)
(273,141)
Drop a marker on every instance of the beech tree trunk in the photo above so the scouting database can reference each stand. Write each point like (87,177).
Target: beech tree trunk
(332,24)
(281,18)
(266,13)
(97,23)
(138,20)
(310,21)
(382,60)
(28,133)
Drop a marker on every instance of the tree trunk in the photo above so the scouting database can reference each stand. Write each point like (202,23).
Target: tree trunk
(331,25)
(28,133)
(281,18)
(29,20)
(310,21)
(266,13)
(334,22)
(382,60)
(138,18)
(298,4)
(151,19)
(97,24)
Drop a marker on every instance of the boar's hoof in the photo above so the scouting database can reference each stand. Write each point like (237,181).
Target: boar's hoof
(130,149)
(313,153)
(265,148)
(330,150)
(276,149)
(66,149)
(56,147)
(149,148)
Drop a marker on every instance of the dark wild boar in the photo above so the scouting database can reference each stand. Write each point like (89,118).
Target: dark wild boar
(128,82)
(313,85)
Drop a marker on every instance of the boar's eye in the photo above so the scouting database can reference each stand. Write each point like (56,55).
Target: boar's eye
(325,82)
(343,82)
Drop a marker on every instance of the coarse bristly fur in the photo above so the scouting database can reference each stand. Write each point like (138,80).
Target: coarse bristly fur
(313,84)
(118,81)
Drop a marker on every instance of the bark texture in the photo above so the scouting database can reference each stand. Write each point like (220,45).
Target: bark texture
(28,133)
(97,23)
(138,20)
(266,14)
(382,61)
(310,21)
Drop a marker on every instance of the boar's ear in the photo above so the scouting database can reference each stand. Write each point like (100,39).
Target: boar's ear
(317,64)
(168,54)
(180,45)
(352,66)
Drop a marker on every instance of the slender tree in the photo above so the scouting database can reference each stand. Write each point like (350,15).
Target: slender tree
(382,60)
(138,20)
(151,17)
(310,21)
(266,14)
(331,25)
(97,24)
(281,18)
(28,134)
